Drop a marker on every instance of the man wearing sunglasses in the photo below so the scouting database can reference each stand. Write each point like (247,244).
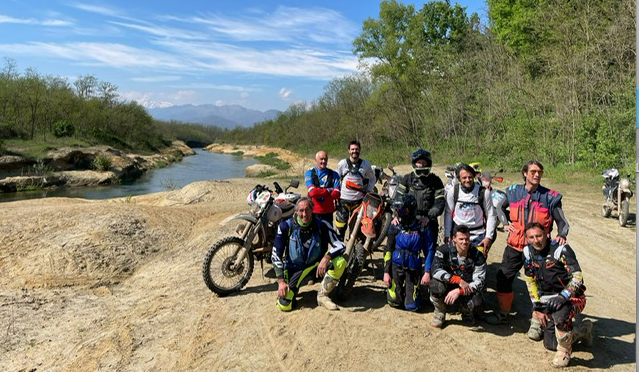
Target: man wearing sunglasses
(528,202)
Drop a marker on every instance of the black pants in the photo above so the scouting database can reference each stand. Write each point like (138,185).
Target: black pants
(404,290)
(512,261)
(471,302)
(562,319)
(344,213)
(326,217)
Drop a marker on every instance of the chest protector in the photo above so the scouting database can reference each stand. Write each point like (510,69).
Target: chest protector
(526,207)
(408,245)
(549,270)
(457,267)
(299,254)
(424,194)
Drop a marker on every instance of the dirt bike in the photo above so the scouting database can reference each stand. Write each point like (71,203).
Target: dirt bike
(389,190)
(363,228)
(617,194)
(486,179)
(229,262)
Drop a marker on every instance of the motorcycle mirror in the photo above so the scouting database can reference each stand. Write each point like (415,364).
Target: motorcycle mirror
(498,179)
(294,183)
(500,170)
(391,168)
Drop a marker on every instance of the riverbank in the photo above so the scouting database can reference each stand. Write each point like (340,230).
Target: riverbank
(90,166)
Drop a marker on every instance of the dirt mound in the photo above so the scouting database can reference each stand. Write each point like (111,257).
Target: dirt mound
(116,285)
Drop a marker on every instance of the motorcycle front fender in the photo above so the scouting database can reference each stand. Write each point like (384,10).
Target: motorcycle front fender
(245,217)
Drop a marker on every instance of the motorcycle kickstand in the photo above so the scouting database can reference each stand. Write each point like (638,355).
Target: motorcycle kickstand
(262,269)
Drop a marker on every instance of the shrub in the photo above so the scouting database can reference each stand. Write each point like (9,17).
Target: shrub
(63,128)
(102,163)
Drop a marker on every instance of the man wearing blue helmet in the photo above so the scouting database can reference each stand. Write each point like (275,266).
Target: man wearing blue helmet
(408,256)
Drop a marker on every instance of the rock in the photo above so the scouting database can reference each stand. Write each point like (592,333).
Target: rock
(88,178)
(259,170)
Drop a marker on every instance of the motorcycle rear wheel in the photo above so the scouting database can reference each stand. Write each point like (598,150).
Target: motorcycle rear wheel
(625,212)
(352,271)
(219,275)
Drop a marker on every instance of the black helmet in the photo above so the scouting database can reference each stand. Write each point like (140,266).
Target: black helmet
(405,205)
(421,154)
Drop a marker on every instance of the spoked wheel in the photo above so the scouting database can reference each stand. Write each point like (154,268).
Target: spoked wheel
(354,268)
(388,218)
(625,212)
(219,270)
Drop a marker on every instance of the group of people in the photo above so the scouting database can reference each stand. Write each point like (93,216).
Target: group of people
(455,271)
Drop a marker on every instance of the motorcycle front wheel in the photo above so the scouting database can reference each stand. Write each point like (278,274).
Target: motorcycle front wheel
(623,214)
(218,270)
(352,271)
(388,218)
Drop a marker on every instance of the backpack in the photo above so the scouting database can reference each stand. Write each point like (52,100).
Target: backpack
(316,181)
(354,169)
(480,197)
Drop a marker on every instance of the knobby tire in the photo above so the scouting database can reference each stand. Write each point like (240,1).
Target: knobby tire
(217,261)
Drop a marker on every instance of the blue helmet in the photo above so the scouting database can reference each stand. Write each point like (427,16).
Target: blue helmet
(405,205)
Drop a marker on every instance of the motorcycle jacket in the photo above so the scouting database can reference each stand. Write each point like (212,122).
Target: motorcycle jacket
(323,188)
(540,205)
(429,192)
(361,173)
(551,271)
(450,267)
(409,247)
(297,247)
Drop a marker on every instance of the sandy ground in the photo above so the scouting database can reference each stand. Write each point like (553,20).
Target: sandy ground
(116,285)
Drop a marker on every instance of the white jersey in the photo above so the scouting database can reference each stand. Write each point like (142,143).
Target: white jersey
(357,175)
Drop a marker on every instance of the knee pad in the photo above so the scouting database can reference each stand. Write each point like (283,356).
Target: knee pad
(339,264)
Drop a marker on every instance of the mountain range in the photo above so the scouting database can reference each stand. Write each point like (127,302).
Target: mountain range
(225,116)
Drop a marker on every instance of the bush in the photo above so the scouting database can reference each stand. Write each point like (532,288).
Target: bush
(272,159)
(63,128)
(102,163)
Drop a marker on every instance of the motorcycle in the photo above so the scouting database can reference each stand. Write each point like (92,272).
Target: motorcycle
(229,262)
(363,229)
(498,197)
(617,194)
(389,190)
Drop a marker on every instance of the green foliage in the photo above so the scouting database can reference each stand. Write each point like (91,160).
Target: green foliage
(272,159)
(102,163)
(266,174)
(63,128)
(238,153)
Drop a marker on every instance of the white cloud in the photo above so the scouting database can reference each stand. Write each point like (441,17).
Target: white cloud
(285,93)
(244,95)
(219,102)
(97,9)
(163,31)
(31,21)
(182,95)
(156,79)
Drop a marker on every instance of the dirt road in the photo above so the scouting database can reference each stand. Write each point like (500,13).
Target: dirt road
(116,286)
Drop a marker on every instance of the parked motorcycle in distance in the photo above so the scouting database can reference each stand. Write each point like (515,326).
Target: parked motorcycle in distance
(389,190)
(229,262)
(498,197)
(617,194)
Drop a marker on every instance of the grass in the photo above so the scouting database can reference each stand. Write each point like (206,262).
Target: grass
(35,149)
(30,188)
(238,153)
(265,174)
(272,159)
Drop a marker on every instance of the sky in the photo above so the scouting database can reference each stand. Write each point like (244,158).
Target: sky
(259,54)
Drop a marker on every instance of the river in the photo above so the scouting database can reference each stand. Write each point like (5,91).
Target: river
(202,166)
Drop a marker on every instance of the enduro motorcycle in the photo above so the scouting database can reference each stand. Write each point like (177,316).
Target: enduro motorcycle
(486,179)
(617,194)
(229,262)
(363,229)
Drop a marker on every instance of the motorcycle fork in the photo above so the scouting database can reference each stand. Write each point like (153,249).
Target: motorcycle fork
(353,235)
(246,230)
(248,242)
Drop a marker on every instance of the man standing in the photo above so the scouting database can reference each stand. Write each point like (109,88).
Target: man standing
(556,287)
(323,187)
(358,172)
(529,202)
(459,275)
(470,204)
(427,188)
(301,246)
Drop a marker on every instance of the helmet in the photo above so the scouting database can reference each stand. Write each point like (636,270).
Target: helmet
(611,174)
(476,166)
(406,208)
(421,154)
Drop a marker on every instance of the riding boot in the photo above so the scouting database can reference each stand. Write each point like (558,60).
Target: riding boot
(439,315)
(536,331)
(564,348)
(326,286)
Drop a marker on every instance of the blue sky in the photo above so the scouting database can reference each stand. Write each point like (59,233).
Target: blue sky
(258,54)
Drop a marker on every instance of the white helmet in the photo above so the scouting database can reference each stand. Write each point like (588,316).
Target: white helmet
(611,173)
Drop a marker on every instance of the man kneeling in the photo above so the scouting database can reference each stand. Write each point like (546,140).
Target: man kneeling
(459,274)
(301,246)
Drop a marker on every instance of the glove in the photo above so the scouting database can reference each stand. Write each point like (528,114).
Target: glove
(556,303)
(538,306)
